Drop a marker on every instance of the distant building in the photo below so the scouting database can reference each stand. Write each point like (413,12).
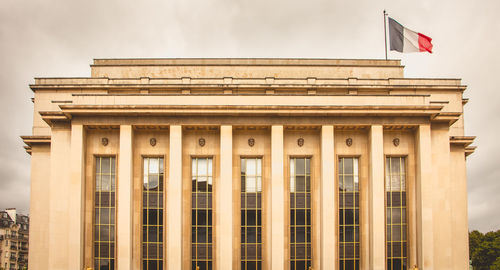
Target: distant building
(14,230)
(243,164)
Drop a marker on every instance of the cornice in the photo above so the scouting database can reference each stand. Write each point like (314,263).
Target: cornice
(247,110)
(99,62)
(55,118)
(31,141)
(470,150)
(245,86)
(448,117)
(465,142)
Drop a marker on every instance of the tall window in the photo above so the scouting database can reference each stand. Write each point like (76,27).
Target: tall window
(396,225)
(201,214)
(300,213)
(251,213)
(152,214)
(104,210)
(348,214)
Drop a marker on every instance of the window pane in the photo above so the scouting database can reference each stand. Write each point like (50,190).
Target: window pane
(202,167)
(154,167)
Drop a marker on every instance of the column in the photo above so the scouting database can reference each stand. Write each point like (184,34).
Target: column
(376,199)
(328,200)
(76,200)
(425,243)
(224,202)
(174,200)
(58,196)
(124,198)
(277,200)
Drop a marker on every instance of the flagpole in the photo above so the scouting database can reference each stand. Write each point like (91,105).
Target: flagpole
(385,35)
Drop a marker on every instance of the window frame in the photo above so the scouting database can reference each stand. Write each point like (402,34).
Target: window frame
(95,157)
(213,209)
(239,217)
(288,203)
(164,208)
(406,158)
(337,202)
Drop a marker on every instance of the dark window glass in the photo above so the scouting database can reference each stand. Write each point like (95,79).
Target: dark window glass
(104,213)
(152,213)
(396,226)
(300,213)
(201,213)
(251,213)
(348,180)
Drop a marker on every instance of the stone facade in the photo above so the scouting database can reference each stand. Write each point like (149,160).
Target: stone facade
(13,240)
(323,111)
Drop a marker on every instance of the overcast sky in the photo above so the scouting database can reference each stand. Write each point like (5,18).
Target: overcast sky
(60,38)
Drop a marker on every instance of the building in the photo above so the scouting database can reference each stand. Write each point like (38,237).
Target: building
(248,164)
(13,240)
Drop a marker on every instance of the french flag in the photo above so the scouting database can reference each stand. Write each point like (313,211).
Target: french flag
(405,40)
